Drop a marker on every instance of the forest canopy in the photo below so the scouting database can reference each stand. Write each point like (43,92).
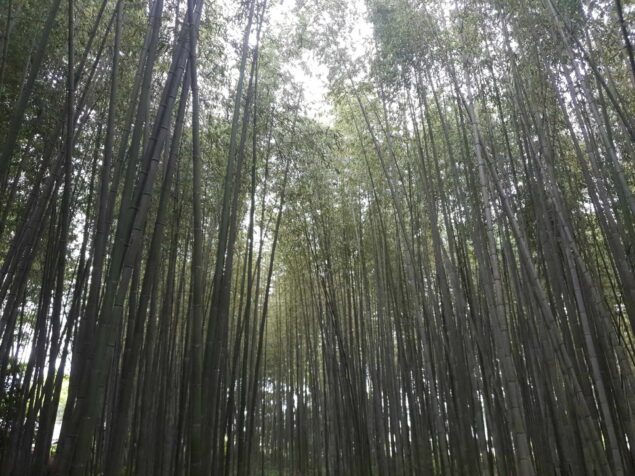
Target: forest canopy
(293,237)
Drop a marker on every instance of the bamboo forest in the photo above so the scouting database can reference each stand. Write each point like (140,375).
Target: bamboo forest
(317,237)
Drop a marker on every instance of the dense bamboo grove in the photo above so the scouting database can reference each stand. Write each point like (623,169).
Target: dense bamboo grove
(202,275)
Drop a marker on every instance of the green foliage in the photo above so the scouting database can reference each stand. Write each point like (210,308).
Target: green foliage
(10,400)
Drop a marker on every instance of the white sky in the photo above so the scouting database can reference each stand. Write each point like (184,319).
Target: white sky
(308,71)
